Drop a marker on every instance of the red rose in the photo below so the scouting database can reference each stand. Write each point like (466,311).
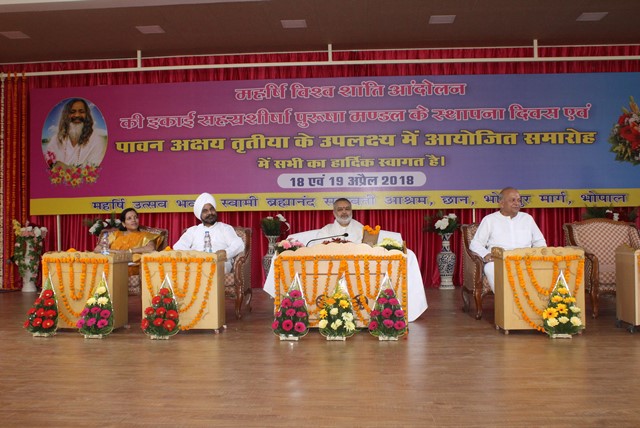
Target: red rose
(172,315)
(164,291)
(158,322)
(169,325)
(144,324)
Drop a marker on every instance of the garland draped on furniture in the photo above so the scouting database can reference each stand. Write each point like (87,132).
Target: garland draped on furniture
(407,222)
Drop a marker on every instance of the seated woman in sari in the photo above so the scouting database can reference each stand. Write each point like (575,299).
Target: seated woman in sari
(130,238)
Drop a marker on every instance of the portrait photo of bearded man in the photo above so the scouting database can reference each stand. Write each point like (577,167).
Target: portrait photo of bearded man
(75,142)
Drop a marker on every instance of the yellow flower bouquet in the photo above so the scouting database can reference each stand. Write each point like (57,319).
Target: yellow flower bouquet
(562,316)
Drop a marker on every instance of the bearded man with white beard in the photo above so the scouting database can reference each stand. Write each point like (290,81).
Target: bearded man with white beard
(75,142)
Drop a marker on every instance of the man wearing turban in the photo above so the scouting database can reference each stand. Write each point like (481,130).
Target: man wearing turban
(223,236)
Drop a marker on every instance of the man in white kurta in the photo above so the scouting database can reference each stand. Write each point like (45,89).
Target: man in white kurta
(223,236)
(508,228)
(344,223)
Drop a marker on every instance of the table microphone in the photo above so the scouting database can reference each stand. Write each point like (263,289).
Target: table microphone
(328,237)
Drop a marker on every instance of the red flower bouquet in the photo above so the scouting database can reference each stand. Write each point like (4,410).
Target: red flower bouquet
(292,318)
(387,319)
(625,135)
(42,318)
(161,319)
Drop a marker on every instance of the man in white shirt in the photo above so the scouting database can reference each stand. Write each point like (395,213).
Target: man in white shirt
(222,236)
(508,228)
(343,223)
(75,143)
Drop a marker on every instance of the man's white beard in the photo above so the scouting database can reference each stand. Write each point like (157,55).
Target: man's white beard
(344,221)
(75,130)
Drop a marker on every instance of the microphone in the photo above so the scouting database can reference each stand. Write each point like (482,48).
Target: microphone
(328,237)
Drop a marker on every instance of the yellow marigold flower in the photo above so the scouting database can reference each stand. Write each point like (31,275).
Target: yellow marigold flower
(344,304)
(549,313)
(557,299)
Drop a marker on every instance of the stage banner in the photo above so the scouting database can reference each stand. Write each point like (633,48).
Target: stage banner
(398,142)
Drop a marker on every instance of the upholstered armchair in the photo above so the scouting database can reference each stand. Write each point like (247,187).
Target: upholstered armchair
(474,281)
(599,238)
(237,283)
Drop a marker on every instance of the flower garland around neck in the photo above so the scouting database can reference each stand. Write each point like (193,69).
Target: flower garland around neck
(85,287)
(183,292)
(365,292)
(516,261)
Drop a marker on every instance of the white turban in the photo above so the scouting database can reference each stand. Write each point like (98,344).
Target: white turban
(201,201)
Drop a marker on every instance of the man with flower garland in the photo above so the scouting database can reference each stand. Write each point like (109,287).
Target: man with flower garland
(223,236)
(507,228)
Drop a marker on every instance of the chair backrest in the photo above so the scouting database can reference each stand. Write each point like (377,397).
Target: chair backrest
(601,237)
(470,272)
(161,243)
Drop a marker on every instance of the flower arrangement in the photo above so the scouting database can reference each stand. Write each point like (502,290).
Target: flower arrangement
(97,225)
(444,224)
(336,316)
(161,319)
(562,316)
(390,244)
(337,240)
(370,235)
(96,319)
(292,318)
(73,175)
(625,135)
(288,244)
(28,247)
(387,319)
(272,226)
(42,318)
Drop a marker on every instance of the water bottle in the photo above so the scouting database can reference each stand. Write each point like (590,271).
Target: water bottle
(207,242)
(104,242)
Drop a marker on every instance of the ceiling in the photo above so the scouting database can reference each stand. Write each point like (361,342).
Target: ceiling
(104,29)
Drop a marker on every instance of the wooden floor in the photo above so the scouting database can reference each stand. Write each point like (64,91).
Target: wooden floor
(451,371)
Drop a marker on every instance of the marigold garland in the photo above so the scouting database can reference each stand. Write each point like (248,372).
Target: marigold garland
(365,291)
(74,293)
(183,291)
(543,291)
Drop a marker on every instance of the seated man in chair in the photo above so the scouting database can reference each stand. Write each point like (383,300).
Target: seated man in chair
(507,228)
(222,236)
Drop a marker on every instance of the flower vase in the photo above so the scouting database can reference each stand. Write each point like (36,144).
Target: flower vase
(28,281)
(290,337)
(446,263)
(266,260)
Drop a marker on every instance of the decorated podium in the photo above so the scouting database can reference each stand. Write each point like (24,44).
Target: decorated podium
(74,277)
(526,277)
(197,282)
(321,266)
